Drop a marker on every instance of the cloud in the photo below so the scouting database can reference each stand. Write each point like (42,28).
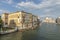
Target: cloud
(45,7)
(27,5)
(0,10)
(7,1)
(4,11)
(43,4)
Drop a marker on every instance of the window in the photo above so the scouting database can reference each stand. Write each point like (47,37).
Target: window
(18,16)
(6,23)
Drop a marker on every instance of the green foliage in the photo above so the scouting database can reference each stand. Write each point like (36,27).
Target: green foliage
(1,22)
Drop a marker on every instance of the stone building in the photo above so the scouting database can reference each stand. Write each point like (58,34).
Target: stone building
(21,20)
(58,20)
(49,20)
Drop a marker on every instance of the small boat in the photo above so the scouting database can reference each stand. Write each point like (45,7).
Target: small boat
(9,31)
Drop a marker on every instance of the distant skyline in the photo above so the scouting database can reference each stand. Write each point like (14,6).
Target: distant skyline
(41,8)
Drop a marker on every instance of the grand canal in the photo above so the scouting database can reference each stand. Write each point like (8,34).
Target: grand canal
(47,31)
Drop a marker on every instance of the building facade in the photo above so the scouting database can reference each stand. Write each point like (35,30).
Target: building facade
(21,20)
(49,20)
(58,20)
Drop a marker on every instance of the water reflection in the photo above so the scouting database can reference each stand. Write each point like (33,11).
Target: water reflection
(50,31)
(46,31)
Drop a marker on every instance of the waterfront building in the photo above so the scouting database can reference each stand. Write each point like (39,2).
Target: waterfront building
(4,18)
(20,19)
(49,20)
(58,20)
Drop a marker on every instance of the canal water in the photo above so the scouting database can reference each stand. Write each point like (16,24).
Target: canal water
(47,31)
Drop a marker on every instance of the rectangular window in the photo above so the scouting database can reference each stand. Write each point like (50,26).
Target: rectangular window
(6,23)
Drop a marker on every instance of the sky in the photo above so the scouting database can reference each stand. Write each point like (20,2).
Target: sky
(41,8)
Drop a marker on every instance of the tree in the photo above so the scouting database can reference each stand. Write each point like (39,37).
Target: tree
(1,22)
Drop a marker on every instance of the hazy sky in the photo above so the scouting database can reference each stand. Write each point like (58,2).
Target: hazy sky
(41,8)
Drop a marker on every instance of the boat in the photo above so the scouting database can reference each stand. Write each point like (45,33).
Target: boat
(8,31)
